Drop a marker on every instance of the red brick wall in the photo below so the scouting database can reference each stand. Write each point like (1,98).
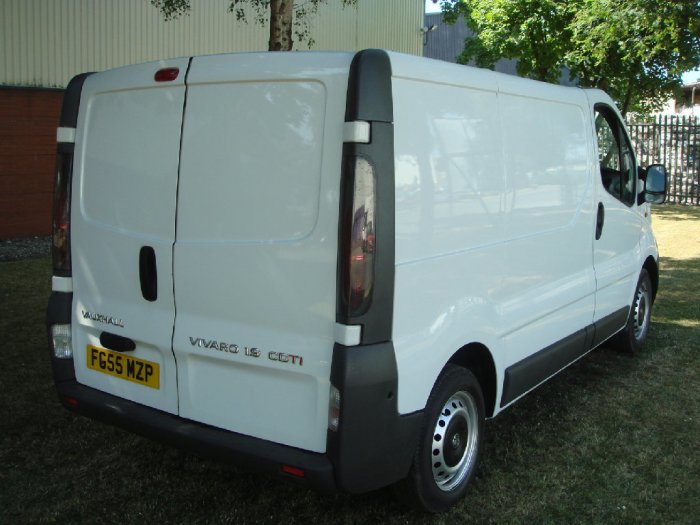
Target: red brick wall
(28,121)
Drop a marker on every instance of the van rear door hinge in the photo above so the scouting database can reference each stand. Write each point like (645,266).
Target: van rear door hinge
(356,131)
(348,335)
(65,135)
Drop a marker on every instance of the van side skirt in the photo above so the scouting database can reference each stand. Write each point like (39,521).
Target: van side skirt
(609,325)
(533,370)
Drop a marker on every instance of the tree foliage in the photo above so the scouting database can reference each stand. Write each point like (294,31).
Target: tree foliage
(284,17)
(634,49)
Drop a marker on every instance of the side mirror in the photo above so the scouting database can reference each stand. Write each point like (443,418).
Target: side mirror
(655,184)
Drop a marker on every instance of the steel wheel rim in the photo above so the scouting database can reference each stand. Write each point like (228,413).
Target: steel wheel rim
(455,440)
(641,311)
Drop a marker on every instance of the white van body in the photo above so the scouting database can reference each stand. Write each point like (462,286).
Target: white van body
(213,209)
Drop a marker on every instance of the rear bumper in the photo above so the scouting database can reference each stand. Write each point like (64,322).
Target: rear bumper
(245,451)
(373,447)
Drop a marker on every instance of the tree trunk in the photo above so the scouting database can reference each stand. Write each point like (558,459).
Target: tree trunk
(602,83)
(281,14)
(628,98)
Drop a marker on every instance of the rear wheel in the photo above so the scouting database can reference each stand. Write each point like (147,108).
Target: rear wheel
(450,443)
(634,335)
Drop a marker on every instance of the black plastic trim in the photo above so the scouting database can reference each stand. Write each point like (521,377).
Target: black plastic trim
(148,273)
(374,445)
(369,87)
(68,119)
(600,221)
(369,98)
(59,312)
(66,148)
(531,371)
(609,325)
(71,101)
(245,451)
(117,342)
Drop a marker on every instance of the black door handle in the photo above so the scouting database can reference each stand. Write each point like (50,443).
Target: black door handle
(600,221)
(117,342)
(148,273)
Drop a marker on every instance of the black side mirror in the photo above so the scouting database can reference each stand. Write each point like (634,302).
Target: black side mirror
(655,184)
(641,173)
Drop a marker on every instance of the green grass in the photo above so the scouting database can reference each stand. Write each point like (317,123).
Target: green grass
(613,439)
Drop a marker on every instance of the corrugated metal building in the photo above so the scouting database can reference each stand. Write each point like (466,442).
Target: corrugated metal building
(446,42)
(44,43)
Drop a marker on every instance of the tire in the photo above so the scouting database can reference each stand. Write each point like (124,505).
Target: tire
(633,336)
(450,443)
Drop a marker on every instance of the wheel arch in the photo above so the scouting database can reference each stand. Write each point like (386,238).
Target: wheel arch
(652,268)
(477,358)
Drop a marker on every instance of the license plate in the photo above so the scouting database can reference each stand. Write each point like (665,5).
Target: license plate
(123,366)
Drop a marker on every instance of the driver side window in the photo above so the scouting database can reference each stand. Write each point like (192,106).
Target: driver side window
(617,170)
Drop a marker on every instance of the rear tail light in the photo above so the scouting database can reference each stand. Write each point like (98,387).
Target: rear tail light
(61,215)
(61,341)
(357,251)
(334,409)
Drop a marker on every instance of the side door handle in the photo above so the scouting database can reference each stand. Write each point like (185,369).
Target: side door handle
(148,273)
(600,220)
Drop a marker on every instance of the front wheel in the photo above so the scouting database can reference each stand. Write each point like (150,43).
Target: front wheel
(450,443)
(634,334)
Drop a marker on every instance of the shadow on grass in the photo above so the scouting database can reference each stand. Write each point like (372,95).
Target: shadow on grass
(677,212)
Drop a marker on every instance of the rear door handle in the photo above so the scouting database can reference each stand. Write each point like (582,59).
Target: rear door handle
(600,221)
(148,273)
(117,342)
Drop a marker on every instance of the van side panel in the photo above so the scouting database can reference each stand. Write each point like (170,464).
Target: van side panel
(549,282)
(255,255)
(494,222)
(450,199)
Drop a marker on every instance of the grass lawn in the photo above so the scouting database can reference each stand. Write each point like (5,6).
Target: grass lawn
(613,439)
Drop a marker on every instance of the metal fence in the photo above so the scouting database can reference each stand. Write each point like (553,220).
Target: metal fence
(674,141)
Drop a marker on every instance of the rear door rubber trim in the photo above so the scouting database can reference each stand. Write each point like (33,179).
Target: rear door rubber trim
(172,261)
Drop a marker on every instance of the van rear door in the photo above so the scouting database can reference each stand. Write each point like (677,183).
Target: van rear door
(255,255)
(123,229)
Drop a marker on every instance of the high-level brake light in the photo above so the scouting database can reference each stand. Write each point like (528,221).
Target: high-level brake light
(167,74)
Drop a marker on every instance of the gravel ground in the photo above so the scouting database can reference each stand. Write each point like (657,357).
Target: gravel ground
(27,248)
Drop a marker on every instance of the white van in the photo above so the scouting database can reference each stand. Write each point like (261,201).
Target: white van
(333,266)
